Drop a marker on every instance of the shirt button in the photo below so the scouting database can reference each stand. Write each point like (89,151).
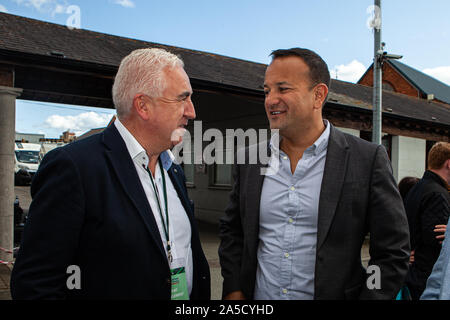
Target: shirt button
(292,188)
(284,291)
(290,220)
(286,255)
(284,158)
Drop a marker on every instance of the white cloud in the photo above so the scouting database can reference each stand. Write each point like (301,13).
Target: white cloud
(3,9)
(37,4)
(125,3)
(440,73)
(45,6)
(78,124)
(351,72)
(59,8)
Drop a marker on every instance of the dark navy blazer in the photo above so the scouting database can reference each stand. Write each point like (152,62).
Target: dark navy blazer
(89,209)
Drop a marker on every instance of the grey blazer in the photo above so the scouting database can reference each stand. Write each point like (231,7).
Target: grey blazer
(358,196)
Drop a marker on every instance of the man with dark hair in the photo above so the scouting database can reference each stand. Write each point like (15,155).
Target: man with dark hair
(297,233)
(318,70)
(427,207)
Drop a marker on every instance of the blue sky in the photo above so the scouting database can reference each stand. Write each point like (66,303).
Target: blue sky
(250,30)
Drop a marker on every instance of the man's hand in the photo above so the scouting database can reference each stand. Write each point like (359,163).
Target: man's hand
(440,228)
(235,295)
(411,257)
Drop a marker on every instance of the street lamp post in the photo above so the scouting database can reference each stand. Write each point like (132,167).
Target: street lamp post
(377,76)
(380,56)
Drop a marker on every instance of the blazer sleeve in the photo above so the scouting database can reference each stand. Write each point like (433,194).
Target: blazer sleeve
(232,239)
(389,232)
(52,230)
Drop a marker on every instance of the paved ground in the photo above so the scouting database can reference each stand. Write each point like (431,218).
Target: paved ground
(208,236)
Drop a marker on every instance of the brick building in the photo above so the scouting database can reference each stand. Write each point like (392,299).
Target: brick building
(68,136)
(398,77)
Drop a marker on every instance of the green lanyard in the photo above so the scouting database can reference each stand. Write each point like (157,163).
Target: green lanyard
(165,224)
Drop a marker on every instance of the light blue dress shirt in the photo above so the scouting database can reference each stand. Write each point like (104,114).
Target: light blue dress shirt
(288,225)
(438,283)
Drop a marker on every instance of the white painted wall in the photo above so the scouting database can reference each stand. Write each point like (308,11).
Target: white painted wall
(408,157)
(349,131)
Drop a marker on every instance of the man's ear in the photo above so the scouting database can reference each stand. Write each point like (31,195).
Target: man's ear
(141,104)
(320,94)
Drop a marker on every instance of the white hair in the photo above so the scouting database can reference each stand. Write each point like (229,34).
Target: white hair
(141,72)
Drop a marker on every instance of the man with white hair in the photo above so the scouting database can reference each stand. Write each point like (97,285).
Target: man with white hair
(110,216)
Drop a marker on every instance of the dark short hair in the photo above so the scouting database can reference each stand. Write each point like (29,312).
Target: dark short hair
(406,184)
(318,69)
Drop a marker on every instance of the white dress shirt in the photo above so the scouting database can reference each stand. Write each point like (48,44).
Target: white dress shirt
(179,225)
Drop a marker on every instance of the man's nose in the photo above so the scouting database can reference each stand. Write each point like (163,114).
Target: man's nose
(189,110)
(271,99)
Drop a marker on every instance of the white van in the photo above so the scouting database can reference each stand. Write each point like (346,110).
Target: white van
(26,161)
(47,147)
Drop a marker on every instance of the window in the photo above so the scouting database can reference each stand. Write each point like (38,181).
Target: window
(221,176)
(26,156)
(188,168)
(387,86)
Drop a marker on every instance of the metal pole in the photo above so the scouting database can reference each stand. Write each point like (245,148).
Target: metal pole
(377,78)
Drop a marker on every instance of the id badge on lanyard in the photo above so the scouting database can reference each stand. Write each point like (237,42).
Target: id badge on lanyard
(179,289)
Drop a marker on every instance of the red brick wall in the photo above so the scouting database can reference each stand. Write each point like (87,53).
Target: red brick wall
(394,78)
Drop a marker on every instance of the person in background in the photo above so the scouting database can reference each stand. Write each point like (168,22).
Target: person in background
(427,208)
(406,184)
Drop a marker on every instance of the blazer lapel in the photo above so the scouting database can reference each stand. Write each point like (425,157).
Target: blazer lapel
(333,179)
(124,168)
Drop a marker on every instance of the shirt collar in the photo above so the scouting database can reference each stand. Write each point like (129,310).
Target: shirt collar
(316,148)
(137,152)
(322,142)
(167,159)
